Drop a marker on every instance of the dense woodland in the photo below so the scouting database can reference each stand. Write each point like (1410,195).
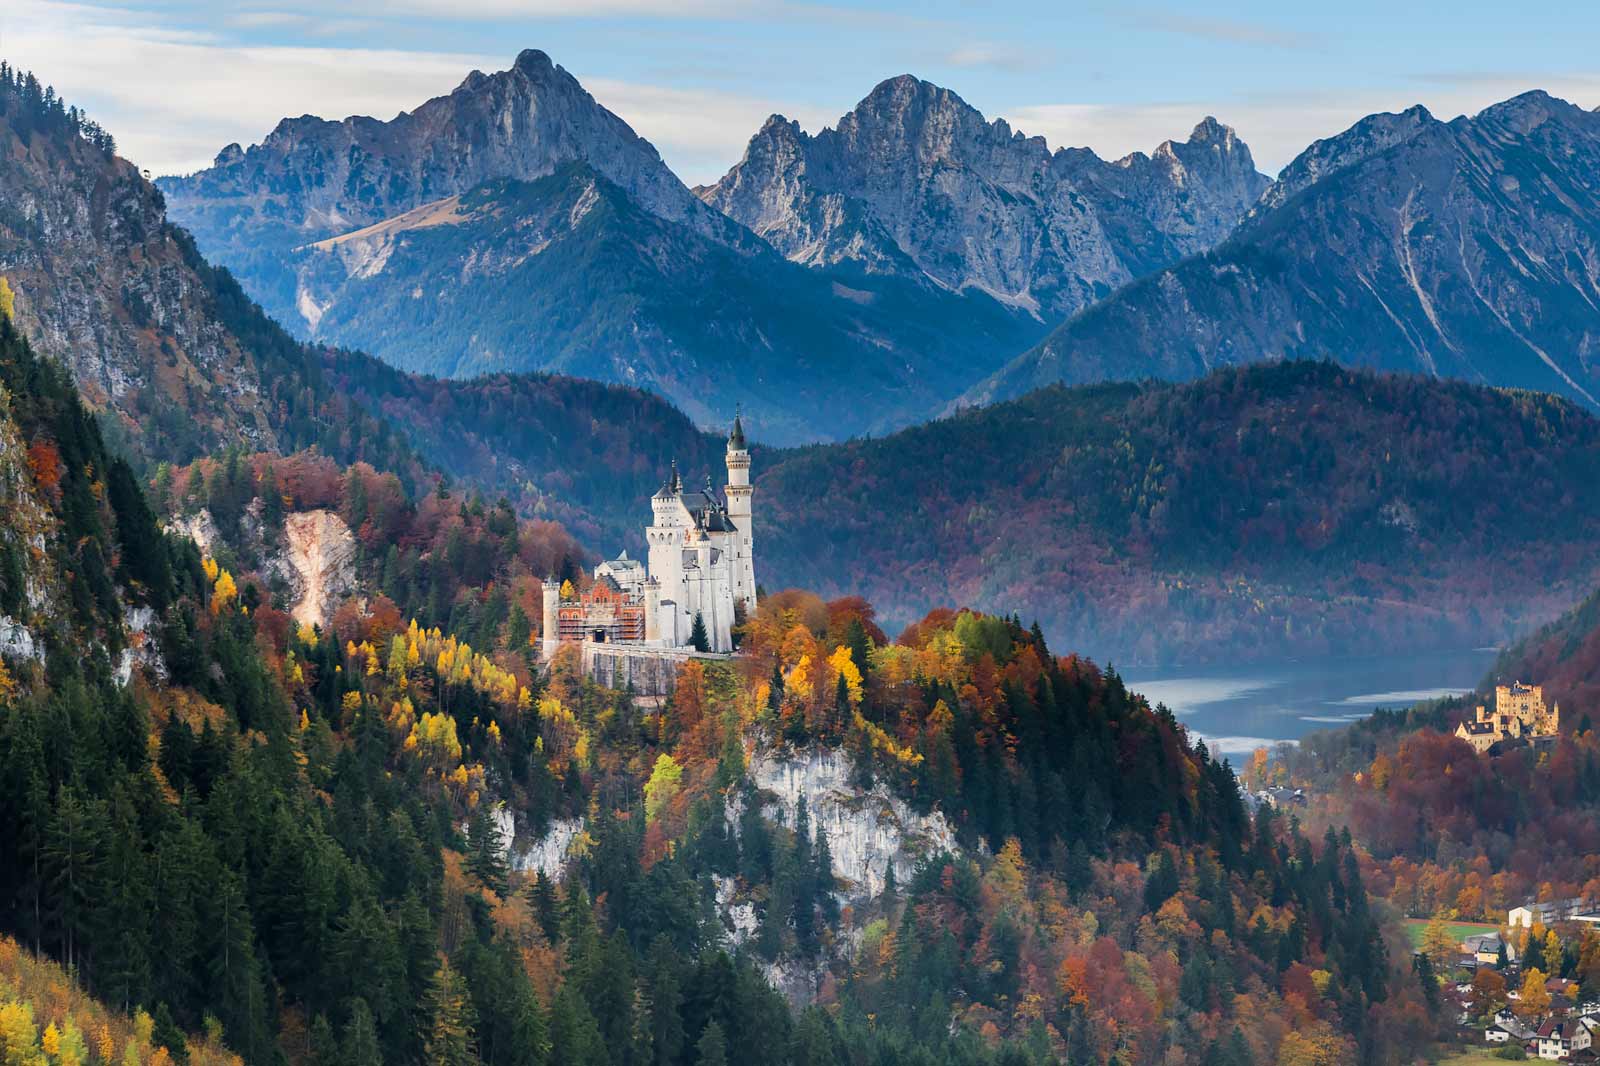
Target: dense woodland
(280,835)
(1277,506)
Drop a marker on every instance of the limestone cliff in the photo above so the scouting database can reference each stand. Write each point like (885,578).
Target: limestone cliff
(868,829)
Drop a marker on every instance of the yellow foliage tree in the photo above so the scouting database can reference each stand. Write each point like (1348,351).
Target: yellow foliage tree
(1314,1045)
(1438,943)
(223,592)
(1534,999)
(665,780)
(19,1037)
(8,299)
(843,664)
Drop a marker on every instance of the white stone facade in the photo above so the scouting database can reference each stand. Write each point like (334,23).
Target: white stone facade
(700,564)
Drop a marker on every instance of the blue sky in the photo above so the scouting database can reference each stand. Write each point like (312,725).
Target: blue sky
(175,79)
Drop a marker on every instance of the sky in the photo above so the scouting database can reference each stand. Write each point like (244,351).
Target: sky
(176,80)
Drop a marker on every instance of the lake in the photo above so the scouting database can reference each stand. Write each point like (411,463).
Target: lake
(1238,710)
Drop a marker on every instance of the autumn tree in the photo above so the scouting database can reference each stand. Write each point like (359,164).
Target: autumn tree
(1534,998)
(1438,943)
(663,785)
(450,1036)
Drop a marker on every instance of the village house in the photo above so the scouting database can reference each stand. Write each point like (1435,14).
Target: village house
(1575,909)
(1484,948)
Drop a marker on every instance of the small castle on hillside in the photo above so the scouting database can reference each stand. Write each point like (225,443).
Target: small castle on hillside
(1519,714)
(701,569)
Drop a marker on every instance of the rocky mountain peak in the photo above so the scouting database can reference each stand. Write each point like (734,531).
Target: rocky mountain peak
(1522,113)
(914,179)
(1209,131)
(1403,243)
(1368,137)
(312,179)
(533,62)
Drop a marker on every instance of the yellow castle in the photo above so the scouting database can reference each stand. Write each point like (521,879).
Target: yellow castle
(1519,714)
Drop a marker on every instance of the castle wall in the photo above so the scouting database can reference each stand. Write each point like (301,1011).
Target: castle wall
(651,671)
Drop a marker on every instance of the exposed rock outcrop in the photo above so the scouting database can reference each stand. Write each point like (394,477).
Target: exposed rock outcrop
(916,182)
(107,287)
(868,830)
(318,560)
(549,853)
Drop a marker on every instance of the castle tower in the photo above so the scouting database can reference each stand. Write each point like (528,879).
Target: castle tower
(738,494)
(552,618)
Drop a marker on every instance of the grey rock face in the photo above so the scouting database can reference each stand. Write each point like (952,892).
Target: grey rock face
(1373,134)
(312,178)
(1468,249)
(104,286)
(916,182)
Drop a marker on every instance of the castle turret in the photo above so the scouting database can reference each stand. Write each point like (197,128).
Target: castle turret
(552,617)
(652,611)
(739,495)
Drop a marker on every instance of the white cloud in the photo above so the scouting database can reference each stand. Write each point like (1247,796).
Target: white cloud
(1225,31)
(1279,128)
(987,54)
(172,98)
(699,133)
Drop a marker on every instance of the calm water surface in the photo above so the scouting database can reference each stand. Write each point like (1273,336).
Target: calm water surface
(1238,710)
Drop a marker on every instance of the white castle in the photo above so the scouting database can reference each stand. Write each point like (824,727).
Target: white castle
(701,565)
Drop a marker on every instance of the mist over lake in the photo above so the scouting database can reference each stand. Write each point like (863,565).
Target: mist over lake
(1238,710)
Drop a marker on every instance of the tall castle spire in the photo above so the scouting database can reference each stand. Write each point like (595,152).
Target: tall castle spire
(741,514)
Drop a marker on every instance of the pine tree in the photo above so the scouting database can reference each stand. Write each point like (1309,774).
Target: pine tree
(486,854)
(450,1039)
(360,1044)
(543,898)
(697,635)
(166,1034)
(712,1049)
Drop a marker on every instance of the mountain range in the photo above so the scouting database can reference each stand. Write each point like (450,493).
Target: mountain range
(1465,249)
(916,183)
(473,234)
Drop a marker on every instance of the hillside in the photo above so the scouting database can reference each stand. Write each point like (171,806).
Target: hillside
(915,183)
(46,1019)
(166,348)
(348,826)
(1292,508)
(1460,249)
(1564,657)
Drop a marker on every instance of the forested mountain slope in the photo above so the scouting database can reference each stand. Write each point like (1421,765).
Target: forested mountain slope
(168,348)
(295,797)
(1462,249)
(1295,509)
(1563,656)
(1260,510)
